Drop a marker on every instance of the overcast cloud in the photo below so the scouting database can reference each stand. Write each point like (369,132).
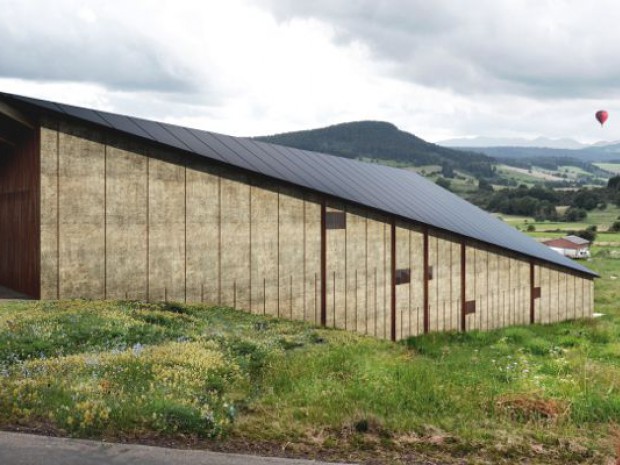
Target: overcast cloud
(436,68)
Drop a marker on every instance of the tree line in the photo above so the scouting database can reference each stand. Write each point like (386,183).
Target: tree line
(541,202)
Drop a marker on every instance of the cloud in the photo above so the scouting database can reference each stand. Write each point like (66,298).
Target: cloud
(436,68)
(65,41)
(544,49)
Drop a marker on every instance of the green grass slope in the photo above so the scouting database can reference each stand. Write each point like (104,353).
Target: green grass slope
(214,377)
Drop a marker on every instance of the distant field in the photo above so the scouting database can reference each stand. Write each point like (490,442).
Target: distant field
(426,169)
(601,218)
(537,174)
(573,170)
(461,186)
(519,175)
(611,167)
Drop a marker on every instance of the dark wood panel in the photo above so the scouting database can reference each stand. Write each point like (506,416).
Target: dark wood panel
(19,214)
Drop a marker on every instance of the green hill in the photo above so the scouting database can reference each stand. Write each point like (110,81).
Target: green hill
(382,142)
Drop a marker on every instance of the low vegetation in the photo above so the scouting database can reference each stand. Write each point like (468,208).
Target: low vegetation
(217,378)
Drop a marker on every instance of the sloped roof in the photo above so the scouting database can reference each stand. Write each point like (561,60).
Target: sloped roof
(563,242)
(390,190)
(577,240)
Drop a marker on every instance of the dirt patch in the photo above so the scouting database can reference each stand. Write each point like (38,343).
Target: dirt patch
(375,446)
(527,408)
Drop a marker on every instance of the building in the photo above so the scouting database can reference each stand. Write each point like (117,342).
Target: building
(105,206)
(570,246)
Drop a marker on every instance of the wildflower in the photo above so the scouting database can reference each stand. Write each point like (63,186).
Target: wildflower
(137,349)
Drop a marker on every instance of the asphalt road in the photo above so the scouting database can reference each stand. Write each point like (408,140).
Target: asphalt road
(27,449)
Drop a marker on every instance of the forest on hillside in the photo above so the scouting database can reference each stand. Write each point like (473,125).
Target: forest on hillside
(383,142)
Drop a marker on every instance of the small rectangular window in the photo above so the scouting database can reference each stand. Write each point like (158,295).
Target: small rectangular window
(403,276)
(430,272)
(335,220)
(470,307)
(536,293)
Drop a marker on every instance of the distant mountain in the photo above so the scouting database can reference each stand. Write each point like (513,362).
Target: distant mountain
(608,147)
(589,154)
(605,143)
(544,142)
(382,141)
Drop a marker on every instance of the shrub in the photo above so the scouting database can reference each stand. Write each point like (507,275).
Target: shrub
(615,227)
(443,182)
(575,214)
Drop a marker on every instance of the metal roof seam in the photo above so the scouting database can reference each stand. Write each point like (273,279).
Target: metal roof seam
(163,126)
(269,167)
(343,178)
(275,159)
(283,153)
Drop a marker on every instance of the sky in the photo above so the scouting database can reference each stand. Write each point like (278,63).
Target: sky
(438,69)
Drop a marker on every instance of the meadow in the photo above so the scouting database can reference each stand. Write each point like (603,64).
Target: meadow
(611,167)
(602,219)
(192,376)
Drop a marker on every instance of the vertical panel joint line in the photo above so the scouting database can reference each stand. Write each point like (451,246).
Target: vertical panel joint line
(393,280)
(426,280)
(323,265)
(463,286)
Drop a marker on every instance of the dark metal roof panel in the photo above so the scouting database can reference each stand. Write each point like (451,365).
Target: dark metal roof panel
(51,106)
(394,191)
(191,141)
(83,114)
(124,124)
(160,134)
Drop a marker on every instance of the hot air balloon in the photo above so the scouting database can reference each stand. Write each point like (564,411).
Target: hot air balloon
(601,116)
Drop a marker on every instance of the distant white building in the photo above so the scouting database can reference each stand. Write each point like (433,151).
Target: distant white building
(570,246)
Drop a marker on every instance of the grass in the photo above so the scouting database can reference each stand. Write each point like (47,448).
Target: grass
(611,167)
(221,378)
(601,218)
(575,171)
(536,174)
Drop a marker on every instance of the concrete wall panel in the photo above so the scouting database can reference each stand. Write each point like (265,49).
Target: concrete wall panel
(356,270)
(375,276)
(235,242)
(166,247)
(291,236)
(203,234)
(542,304)
(312,270)
(578,310)
(416,287)
(403,291)
(126,224)
(265,283)
(81,214)
(470,284)
(336,272)
(49,212)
